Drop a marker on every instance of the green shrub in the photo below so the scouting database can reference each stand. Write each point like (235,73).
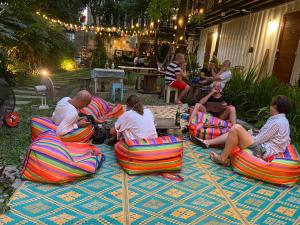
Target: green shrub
(252,98)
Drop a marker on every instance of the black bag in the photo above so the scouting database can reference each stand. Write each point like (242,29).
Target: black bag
(100,134)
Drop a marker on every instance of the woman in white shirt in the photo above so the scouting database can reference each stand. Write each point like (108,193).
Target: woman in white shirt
(136,122)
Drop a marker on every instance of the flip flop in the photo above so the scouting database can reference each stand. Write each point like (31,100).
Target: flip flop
(200,142)
(216,159)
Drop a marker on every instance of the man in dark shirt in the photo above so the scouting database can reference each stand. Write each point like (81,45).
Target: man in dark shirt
(215,104)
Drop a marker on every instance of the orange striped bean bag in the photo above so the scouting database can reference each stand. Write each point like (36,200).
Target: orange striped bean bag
(42,124)
(283,169)
(50,160)
(205,126)
(99,108)
(150,155)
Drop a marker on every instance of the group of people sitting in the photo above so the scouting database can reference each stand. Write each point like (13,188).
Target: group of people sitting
(274,136)
(138,123)
(135,123)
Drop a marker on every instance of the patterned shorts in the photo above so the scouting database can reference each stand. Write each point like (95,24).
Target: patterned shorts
(258,150)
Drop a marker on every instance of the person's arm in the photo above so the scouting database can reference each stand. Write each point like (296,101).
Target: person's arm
(178,73)
(205,98)
(266,133)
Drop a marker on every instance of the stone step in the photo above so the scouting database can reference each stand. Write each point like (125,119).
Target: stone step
(21,102)
(17,91)
(27,96)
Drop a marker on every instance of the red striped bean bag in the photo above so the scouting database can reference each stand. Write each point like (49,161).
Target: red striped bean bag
(50,160)
(42,124)
(150,155)
(197,126)
(100,108)
(283,169)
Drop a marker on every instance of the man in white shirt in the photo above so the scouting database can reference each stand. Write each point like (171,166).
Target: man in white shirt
(65,115)
(224,75)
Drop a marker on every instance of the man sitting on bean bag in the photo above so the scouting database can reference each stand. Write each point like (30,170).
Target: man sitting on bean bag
(273,138)
(66,111)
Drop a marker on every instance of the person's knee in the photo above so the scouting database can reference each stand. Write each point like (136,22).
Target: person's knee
(236,127)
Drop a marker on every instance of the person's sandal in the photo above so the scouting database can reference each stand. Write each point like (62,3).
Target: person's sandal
(216,159)
(200,142)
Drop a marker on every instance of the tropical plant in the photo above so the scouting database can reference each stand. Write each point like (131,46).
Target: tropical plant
(252,98)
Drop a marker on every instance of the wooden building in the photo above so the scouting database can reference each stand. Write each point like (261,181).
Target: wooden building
(261,33)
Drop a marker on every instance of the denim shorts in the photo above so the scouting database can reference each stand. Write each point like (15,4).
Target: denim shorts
(258,150)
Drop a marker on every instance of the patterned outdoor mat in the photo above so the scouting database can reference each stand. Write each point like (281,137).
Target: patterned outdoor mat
(209,194)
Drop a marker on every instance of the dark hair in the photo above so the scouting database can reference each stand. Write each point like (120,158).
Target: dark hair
(282,103)
(134,103)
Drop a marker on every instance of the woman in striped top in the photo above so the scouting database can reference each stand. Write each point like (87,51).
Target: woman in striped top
(273,138)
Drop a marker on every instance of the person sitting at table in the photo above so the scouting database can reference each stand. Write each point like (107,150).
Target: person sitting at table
(65,115)
(273,137)
(136,123)
(224,75)
(174,74)
(215,104)
(205,73)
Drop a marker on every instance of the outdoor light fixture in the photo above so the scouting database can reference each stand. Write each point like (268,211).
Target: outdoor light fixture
(181,38)
(137,24)
(180,22)
(174,17)
(152,24)
(44,72)
(273,26)
(201,11)
(215,35)
(175,27)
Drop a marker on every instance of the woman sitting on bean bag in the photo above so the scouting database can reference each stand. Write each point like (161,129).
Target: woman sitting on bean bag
(273,138)
(136,123)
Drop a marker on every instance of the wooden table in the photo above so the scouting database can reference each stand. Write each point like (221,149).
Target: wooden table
(108,75)
(165,124)
(150,78)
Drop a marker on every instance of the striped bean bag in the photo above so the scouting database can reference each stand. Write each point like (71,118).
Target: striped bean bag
(42,124)
(197,129)
(284,169)
(150,155)
(100,108)
(50,160)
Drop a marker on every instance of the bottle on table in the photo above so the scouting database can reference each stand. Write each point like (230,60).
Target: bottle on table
(177,119)
(106,64)
(112,65)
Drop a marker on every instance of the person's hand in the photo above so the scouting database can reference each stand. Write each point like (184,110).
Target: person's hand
(213,91)
(83,123)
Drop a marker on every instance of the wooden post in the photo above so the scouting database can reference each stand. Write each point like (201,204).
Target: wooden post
(220,25)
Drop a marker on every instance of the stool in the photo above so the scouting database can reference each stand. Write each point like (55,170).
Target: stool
(114,87)
(85,84)
(168,91)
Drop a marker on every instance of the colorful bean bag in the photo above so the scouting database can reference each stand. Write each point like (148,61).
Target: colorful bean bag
(150,155)
(50,160)
(205,126)
(283,169)
(42,124)
(100,108)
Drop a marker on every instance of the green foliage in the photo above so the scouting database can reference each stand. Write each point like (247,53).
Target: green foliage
(157,9)
(252,98)
(99,56)
(68,64)
(31,44)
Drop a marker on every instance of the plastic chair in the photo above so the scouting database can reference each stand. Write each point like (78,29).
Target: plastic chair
(117,86)
(168,93)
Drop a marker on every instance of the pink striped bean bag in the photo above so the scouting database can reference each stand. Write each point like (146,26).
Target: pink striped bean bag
(100,108)
(50,160)
(283,168)
(150,155)
(216,126)
(42,124)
